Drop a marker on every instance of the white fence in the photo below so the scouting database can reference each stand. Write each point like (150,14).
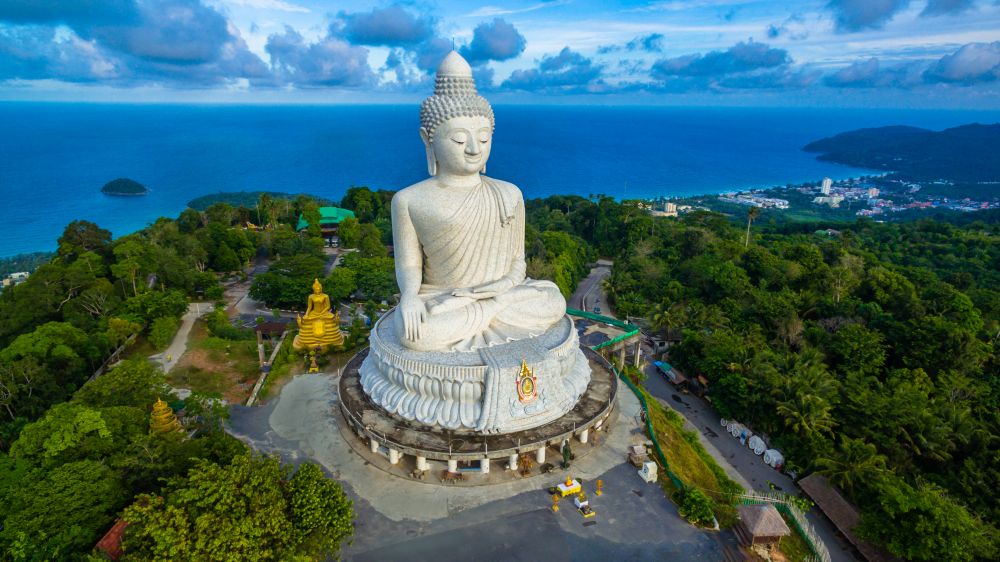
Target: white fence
(819,548)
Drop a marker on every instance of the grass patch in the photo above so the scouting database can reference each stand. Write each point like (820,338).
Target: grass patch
(690,462)
(286,364)
(794,547)
(141,347)
(217,366)
(200,380)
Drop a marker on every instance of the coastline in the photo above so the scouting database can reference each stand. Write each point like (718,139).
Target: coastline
(711,194)
(50,150)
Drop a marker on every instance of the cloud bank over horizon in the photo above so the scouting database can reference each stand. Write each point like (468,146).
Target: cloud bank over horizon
(935,52)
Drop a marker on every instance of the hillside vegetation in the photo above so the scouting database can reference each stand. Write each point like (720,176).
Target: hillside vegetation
(870,357)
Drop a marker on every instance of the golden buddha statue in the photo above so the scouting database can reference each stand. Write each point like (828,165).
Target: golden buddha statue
(320,326)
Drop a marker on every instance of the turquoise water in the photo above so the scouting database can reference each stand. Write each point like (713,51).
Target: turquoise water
(54,158)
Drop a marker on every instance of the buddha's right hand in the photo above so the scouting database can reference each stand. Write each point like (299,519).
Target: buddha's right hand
(414,313)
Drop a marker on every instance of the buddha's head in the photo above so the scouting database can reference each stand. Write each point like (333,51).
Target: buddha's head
(317,288)
(456,123)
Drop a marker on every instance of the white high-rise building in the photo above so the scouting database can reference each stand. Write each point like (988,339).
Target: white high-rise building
(825,187)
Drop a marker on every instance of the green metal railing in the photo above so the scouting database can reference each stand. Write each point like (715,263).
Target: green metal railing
(630,329)
(677,482)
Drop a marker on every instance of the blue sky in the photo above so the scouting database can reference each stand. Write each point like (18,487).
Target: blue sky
(836,53)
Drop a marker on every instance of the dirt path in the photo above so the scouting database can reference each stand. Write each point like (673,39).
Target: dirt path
(169,357)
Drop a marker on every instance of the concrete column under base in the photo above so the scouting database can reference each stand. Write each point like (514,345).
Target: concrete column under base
(452,465)
(512,461)
(584,435)
(373,444)
(393,456)
(540,455)
(422,463)
(484,466)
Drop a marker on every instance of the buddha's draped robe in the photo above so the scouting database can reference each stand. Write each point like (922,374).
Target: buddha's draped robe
(484,242)
(319,305)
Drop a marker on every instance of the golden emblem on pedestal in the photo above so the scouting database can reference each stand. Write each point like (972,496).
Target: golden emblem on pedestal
(527,384)
(320,327)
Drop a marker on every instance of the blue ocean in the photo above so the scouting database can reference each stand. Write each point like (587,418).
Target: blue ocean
(54,158)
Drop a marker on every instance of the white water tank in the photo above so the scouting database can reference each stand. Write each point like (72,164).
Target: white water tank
(773,458)
(757,445)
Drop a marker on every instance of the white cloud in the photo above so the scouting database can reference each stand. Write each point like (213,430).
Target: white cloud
(493,11)
(276,5)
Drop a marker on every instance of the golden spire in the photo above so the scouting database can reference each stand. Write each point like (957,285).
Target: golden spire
(317,286)
(525,371)
(163,420)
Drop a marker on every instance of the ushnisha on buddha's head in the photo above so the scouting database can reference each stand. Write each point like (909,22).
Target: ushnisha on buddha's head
(317,287)
(456,123)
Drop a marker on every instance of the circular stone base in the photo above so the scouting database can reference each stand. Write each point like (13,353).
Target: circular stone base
(394,437)
(477,392)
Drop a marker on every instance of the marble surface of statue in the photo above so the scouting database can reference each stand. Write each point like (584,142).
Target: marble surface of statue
(469,322)
(459,236)
(319,327)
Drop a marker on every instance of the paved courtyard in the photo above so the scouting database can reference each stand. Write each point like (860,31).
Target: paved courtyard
(401,519)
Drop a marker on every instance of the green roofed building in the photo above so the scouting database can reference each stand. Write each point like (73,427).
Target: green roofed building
(329,219)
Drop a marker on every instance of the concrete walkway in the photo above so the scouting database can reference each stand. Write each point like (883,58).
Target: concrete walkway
(399,518)
(169,357)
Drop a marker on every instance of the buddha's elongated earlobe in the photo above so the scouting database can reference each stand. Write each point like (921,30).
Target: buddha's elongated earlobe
(432,165)
(483,171)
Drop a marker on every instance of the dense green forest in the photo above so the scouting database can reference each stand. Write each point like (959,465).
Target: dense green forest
(87,445)
(870,356)
(91,447)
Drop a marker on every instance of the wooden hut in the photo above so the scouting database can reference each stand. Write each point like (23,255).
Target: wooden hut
(842,514)
(760,524)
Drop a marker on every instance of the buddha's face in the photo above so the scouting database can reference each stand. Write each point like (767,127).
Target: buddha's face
(462,145)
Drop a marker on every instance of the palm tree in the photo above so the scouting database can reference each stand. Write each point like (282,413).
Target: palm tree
(807,414)
(856,462)
(752,214)
(805,373)
(608,288)
(265,206)
(708,317)
(668,317)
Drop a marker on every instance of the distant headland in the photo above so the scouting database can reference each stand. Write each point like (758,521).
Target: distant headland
(124,186)
(247,198)
(961,154)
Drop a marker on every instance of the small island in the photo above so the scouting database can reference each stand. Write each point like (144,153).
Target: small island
(124,186)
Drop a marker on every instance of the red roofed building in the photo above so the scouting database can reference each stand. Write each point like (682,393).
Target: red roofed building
(111,543)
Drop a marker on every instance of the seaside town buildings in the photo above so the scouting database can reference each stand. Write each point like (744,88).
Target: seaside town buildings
(14,279)
(753,199)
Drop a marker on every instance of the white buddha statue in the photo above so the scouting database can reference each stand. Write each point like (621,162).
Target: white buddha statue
(469,323)
(459,235)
